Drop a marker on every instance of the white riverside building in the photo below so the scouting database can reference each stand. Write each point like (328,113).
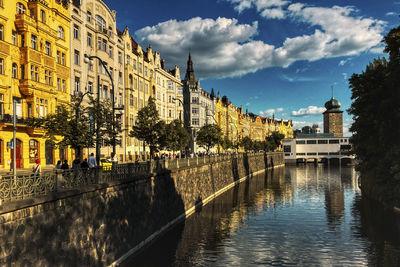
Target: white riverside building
(317,148)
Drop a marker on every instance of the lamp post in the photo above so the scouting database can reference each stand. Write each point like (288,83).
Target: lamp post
(89,59)
(174,99)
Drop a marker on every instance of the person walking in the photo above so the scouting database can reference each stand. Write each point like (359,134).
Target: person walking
(92,161)
(65,166)
(37,169)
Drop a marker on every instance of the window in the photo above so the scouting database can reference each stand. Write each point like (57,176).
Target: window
(76,57)
(130,81)
(195,110)
(43,16)
(151,73)
(109,31)
(63,59)
(120,77)
(311,142)
(33,150)
(322,141)
(90,87)
(48,49)
(287,148)
(58,84)
(119,57)
(32,13)
(50,78)
(1,104)
(60,33)
(77,85)
(22,40)
(105,91)
(334,141)
(58,57)
(104,45)
(46,75)
(169,113)
(20,8)
(300,142)
(14,38)
(170,85)
(110,51)
(195,121)
(76,31)
(195,100)
(89,16)
(128,60)
(34,42)
(100,23)
(64,87)
(1,32)
(145,71)
(140,67)
(131,99)
(14,70)
(1,66)
(99,43)
(89,39)
(134,64)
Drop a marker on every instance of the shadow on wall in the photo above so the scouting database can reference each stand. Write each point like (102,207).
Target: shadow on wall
(107,223)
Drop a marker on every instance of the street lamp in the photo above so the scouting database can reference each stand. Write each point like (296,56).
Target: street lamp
(89,59)
(174,99)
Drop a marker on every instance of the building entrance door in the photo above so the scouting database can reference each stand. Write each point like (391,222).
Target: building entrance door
(49,151)
(18,155)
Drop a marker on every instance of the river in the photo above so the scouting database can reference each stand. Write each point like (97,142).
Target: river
(301,216)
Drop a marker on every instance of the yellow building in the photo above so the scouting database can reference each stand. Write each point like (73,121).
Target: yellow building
(139,84)
(34,72)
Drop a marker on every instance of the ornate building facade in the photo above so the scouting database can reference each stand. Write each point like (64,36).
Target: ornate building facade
(35,73)
(199,106)
(94,33)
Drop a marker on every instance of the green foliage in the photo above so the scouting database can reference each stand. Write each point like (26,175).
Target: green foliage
(149,128)
(376,113)
(274,141)
(226,143)
(176,136)
(72,126)
(208,136)
(247,143)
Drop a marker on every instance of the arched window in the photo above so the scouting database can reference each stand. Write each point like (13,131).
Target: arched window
(20,8)
(60,33)
(33,150)
(14,70)
(101,24)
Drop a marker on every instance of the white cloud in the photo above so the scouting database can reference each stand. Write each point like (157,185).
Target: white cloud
(391,14)
(270,112)
(344,61)
(301,124)
(310,110)
(297,79)
(224,48)
(345,76)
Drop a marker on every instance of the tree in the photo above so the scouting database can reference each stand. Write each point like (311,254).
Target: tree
(274,140)
(226,143)
(149,128)
(74,125)
(176,136)
(247,143)
(376,114)
(208,136)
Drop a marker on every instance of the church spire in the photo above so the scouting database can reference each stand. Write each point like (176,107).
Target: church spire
(190,77)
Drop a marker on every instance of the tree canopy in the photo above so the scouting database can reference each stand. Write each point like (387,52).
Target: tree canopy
(208,136)
(176,136)
(149,128)
(376,114)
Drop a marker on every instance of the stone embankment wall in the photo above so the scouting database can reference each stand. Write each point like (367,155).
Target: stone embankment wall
(102,224)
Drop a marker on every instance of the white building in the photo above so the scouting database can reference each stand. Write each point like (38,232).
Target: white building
(316,147)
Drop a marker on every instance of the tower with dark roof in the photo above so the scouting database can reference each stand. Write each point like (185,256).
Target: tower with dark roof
(333,118)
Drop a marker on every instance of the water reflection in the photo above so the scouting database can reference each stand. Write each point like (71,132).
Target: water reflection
(295,216)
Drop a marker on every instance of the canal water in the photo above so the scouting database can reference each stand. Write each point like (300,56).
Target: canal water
(301,216)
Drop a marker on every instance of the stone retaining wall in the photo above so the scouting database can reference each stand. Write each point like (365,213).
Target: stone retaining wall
(102,224)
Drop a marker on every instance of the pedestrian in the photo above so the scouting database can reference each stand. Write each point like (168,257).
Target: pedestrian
(84,164)
(76,164)
(65,166)
(114,158)
(92,161)
(58,166)
(37,169)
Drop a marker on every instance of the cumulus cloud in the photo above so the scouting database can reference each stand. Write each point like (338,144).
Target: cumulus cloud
(297,79)
(310,110)
(391,14)
(270,112)
(225,48)
(297,125)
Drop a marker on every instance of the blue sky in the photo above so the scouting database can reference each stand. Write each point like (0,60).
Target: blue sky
(269,56)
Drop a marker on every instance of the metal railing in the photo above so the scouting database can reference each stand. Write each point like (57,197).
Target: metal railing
(31,185)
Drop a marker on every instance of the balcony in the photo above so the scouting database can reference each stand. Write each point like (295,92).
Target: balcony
(22,21)
(29,55)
